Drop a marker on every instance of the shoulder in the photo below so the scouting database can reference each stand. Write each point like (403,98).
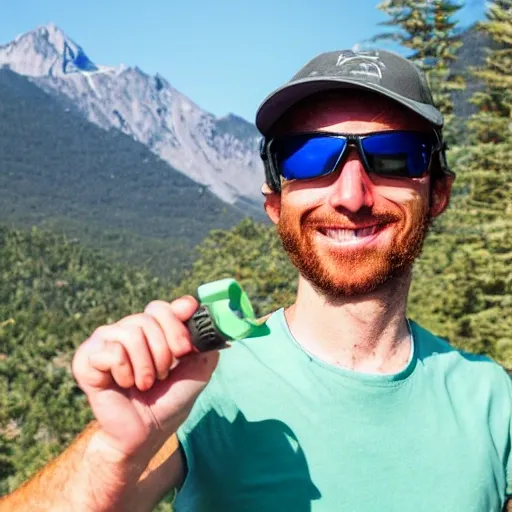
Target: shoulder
(437,357)
(242,369)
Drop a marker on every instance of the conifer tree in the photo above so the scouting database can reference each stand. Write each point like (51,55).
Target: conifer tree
(442,48)
(429,30)
(493,122)
(486,207)
(491,127)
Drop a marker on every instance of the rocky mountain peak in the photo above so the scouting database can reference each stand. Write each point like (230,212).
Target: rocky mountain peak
(221,153)
(44,51)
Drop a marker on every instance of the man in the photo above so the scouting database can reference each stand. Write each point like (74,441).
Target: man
(346,404)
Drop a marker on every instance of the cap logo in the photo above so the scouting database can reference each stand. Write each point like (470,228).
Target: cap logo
(361,65)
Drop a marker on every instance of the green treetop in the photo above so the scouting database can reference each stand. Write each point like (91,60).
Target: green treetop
(428,29)
(493,122)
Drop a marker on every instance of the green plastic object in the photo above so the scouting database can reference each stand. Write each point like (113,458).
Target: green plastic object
(226,314)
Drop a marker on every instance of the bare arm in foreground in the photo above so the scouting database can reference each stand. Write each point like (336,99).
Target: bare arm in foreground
(56,485)
(127,459)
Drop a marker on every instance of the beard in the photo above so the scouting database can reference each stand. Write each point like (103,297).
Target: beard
(337,273)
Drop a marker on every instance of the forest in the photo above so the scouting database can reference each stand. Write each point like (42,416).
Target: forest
(55,291)
(61,172)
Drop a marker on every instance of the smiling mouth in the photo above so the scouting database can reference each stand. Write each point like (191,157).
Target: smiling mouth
(350,235)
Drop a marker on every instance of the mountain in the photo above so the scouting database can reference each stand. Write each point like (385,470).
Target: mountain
(220,153)
(60,171)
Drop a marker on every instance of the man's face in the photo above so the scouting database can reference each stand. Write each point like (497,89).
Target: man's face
(350,232)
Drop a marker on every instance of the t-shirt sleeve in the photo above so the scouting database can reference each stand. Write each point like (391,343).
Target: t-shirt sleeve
(508,462)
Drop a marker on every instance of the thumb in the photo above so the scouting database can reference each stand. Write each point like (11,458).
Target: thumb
(184,307)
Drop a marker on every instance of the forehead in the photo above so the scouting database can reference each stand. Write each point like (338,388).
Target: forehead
(348,111)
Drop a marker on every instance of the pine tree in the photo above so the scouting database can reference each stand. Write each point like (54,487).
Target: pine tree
(412,27)
(443,48)
(491,127)
(487,205)
(429,30)
(493,122)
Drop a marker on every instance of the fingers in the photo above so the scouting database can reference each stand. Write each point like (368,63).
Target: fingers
(138,349)
(170,317)
(184,307)
(155,337)
(123,352)
(113,364)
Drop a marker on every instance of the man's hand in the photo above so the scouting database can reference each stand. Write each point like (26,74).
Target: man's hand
(138,390)
(141,376)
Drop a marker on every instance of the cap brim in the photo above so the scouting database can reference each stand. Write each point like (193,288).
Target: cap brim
(277,103)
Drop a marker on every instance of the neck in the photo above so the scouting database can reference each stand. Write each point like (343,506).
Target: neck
(366,333)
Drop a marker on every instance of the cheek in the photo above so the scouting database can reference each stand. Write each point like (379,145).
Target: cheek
(413,193)
(299,198)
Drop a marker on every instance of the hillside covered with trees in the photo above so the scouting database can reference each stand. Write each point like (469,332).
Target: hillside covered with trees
(61,172)
(55,291)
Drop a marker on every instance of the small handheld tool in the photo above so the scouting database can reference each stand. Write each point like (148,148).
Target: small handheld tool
(225,314)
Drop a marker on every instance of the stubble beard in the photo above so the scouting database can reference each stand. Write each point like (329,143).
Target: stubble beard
(339,274)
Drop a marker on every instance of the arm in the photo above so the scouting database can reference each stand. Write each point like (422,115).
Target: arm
(166,471)
(127,459)
(81,480)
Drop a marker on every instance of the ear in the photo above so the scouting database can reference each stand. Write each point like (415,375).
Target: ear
(440,195)
(272,203)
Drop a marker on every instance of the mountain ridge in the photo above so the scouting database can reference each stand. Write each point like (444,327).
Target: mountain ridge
(61,171)
(220,153)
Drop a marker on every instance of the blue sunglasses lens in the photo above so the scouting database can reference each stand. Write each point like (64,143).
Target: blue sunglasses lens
(305,157)
(398,154)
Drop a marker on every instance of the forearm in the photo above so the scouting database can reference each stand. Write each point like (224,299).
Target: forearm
(48,489)
(80,479)
(163,474)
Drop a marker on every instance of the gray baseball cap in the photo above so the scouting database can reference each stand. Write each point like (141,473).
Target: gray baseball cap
(380,71)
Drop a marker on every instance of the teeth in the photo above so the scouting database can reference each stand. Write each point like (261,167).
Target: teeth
(366,231)
(343,235)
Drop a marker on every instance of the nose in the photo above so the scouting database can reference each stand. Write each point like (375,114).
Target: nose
(353,188)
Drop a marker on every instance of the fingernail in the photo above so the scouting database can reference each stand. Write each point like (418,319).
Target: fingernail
(147,382)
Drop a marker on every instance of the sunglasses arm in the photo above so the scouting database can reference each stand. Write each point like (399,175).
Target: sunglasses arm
(271,176)
(441,151)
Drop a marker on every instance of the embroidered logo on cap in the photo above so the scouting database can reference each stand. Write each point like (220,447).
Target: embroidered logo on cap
(362,65)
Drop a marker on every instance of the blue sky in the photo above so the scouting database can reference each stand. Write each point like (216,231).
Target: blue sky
(225,55)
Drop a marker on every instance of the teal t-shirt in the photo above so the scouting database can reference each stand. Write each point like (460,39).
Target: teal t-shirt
(278,430)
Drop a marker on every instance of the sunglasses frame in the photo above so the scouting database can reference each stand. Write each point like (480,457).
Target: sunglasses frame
(353,140)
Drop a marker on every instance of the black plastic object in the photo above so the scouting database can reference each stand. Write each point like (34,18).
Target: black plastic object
(205,334)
